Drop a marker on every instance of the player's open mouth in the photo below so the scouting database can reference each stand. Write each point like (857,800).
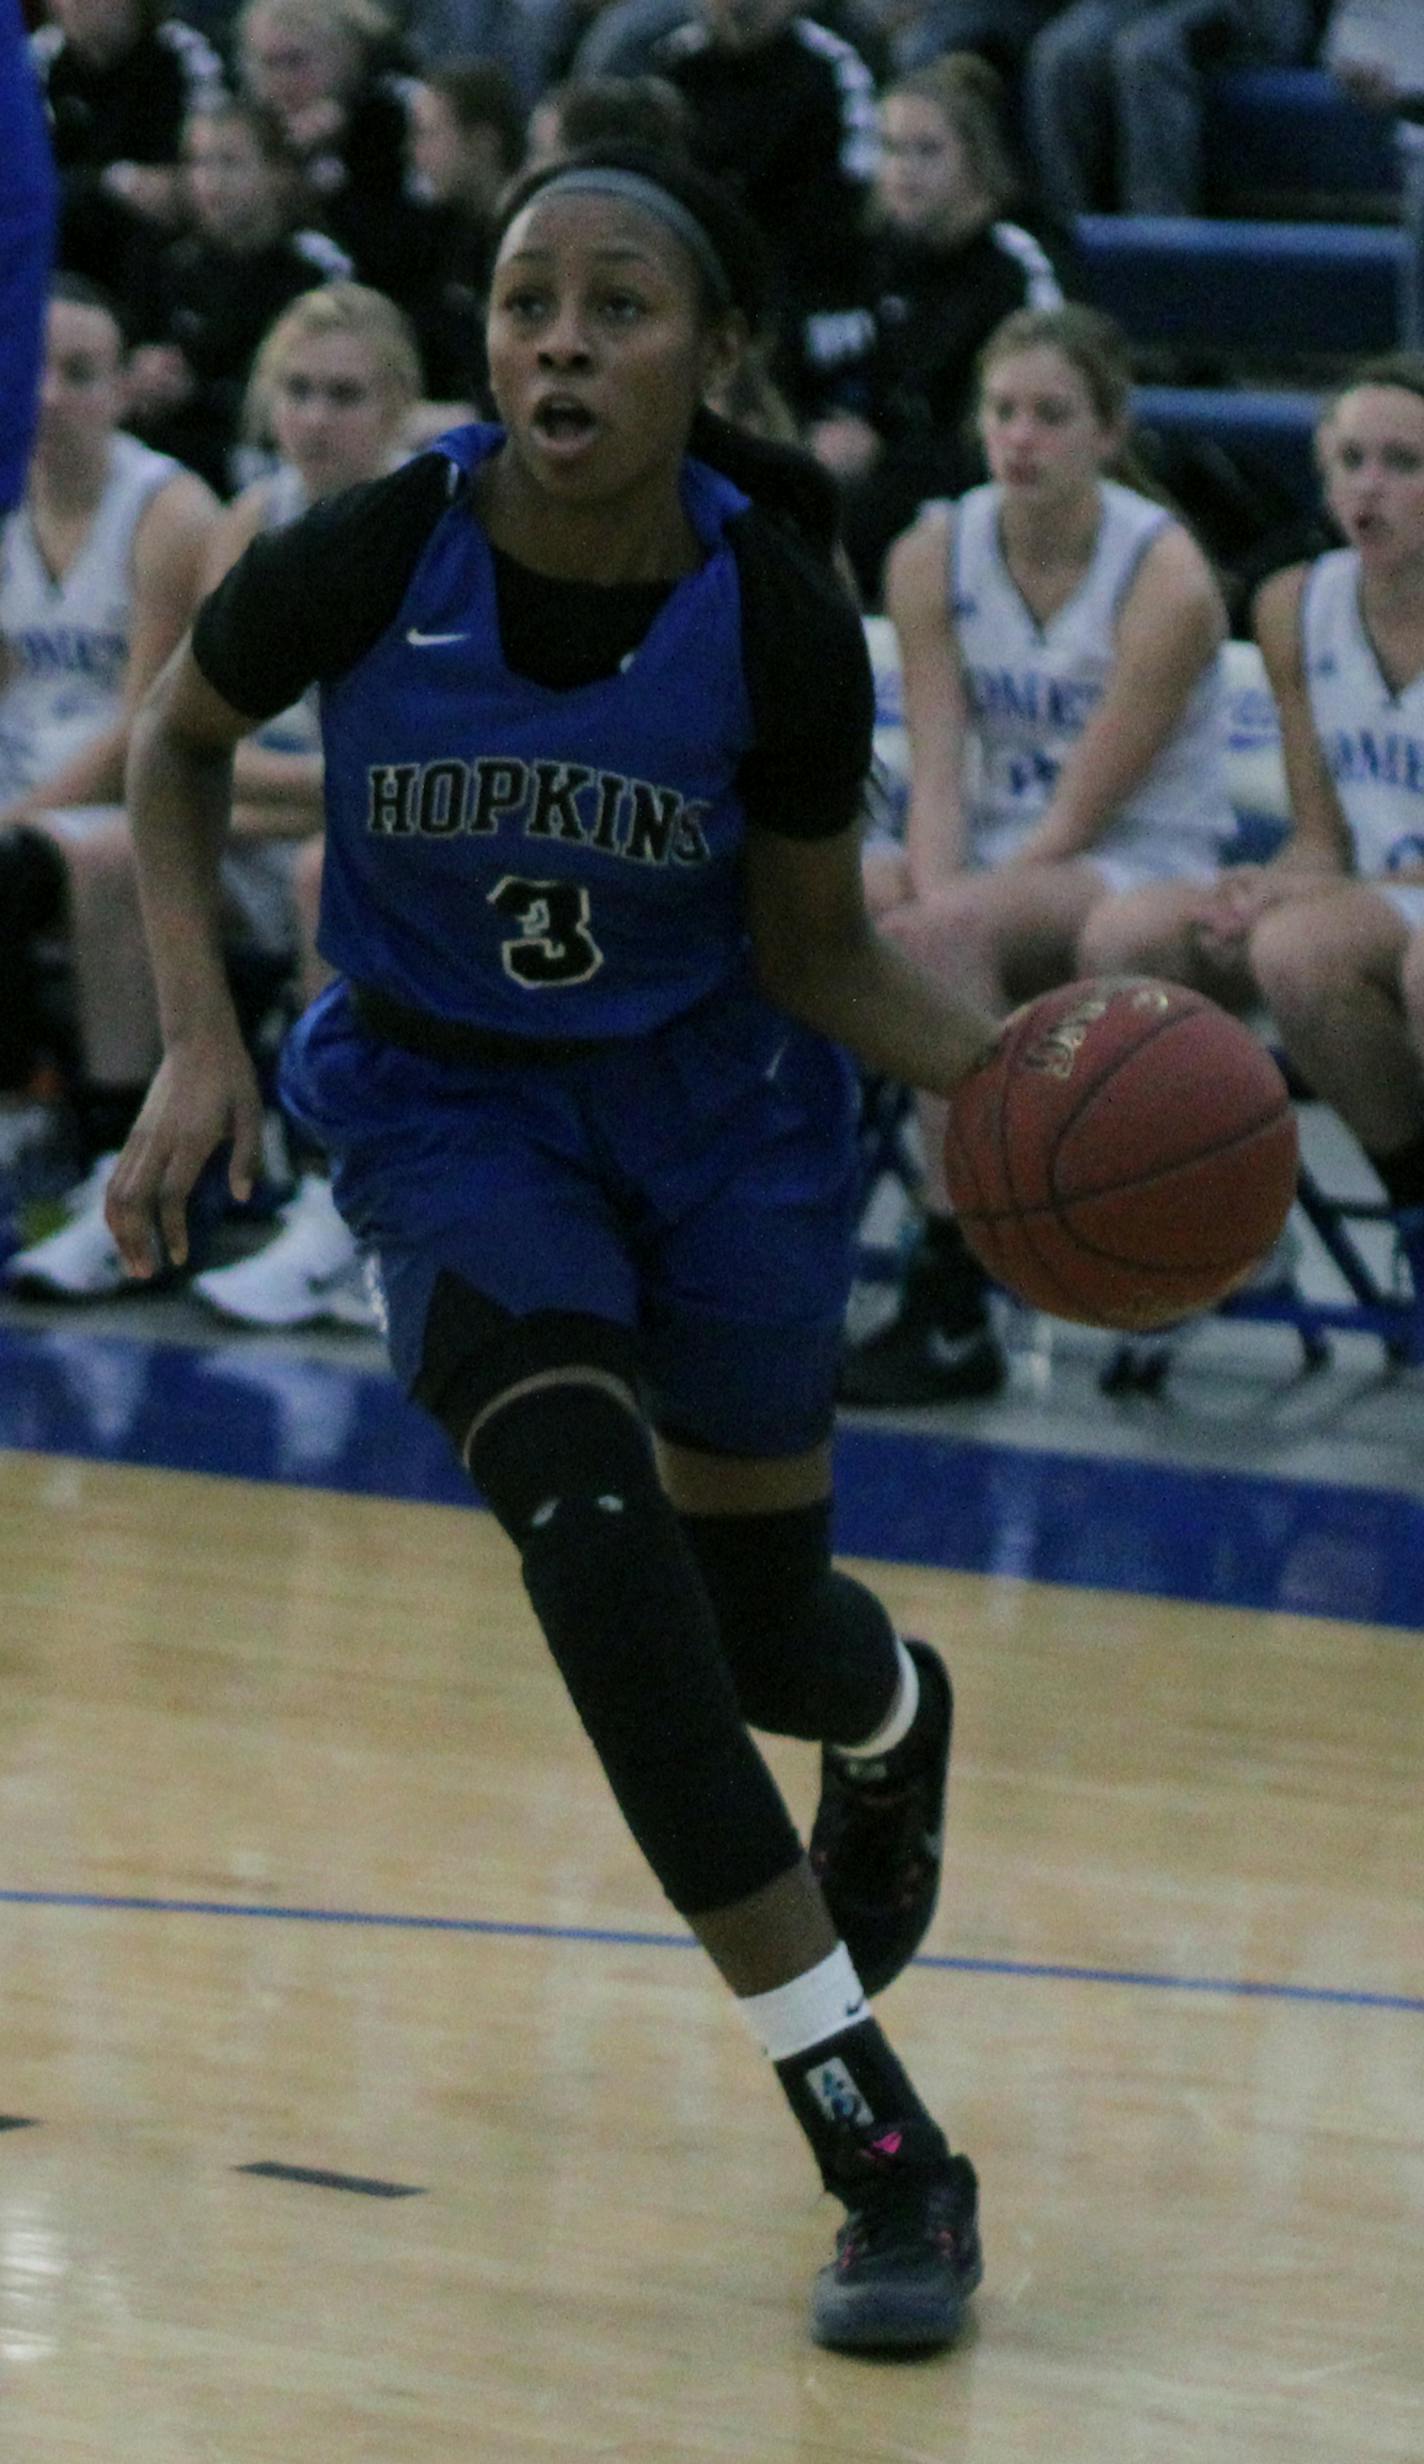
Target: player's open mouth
(563,421)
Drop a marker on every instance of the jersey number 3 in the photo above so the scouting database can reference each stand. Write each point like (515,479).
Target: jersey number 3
(553,944)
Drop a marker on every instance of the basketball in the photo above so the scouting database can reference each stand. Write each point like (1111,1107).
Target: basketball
(1127,1155)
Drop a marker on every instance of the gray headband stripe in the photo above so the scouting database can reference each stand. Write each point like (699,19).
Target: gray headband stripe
(590,179)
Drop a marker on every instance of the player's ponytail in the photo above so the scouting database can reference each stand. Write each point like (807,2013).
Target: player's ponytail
(784,480)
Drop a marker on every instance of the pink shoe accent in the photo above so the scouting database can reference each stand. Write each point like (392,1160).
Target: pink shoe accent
(889,2145)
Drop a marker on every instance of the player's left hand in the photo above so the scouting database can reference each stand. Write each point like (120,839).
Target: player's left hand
(204,1096)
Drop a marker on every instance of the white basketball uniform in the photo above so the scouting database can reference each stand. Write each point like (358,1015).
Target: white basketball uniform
(1032,688)
(1372,737)
(887,788)
(66,640)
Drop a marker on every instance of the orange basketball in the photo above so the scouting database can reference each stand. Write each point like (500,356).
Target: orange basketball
(1127,1155)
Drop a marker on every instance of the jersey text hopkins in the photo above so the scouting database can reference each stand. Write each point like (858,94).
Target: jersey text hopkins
(558,800)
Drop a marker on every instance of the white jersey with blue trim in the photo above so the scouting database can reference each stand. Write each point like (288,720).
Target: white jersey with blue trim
(1032,689)
(1372,737)
(66,639)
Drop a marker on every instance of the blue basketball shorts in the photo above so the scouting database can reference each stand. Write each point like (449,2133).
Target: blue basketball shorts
(698,1186)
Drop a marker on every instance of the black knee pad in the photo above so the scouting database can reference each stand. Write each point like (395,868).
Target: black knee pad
(811,1650)
(474,1349)
(569,1471)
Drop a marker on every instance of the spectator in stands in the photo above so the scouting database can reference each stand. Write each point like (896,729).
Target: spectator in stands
(784,112)
(645,111)
(99,574)
(1376,48)
(623,38)
(513,35)
(945,266)
(1330,935)
(1059,634)
(1115,94)
(1000,31)
(333,387)
(120,78)
(207,299)
(331,72)
(466,139)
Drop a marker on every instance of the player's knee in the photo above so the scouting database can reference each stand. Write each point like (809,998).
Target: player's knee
(561,1451)
(1112,937)
(568,1470)
(625,1614)
(1139,933)
(1295,965)
(474,1352)
(1411,981)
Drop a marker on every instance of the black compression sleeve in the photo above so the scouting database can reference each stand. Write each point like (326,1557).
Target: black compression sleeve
(309,600)
(808,674)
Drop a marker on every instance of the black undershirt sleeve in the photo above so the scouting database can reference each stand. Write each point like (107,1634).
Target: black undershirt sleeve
(812,694)
(308,600)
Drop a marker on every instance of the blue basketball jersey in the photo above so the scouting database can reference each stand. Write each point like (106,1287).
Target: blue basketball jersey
(530,861)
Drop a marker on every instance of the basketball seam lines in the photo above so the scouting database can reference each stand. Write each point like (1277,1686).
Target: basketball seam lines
(1023,1215)
(1130,1052)
(1056,1206)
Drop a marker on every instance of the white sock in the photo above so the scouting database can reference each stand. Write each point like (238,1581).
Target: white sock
(822,2003)
(898,1721)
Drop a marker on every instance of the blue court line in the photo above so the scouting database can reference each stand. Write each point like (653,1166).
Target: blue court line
(1234,1539)
(1348,1997)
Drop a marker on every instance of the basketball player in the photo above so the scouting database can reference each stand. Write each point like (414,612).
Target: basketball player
(99,570)
(596,717)
(1059,634)
(1330,935)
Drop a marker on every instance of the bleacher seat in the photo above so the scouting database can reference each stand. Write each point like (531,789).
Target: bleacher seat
(1275,430)
(1291,141)
(1266,292)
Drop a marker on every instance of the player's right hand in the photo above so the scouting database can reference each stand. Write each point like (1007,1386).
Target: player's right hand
(204,1096)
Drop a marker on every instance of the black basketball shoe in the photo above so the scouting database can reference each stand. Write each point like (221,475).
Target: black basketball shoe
(907,2260)
(877,1844)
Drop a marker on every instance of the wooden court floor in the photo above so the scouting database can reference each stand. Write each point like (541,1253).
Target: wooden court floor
(306,1865)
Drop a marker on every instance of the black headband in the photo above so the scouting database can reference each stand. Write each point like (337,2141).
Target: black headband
(605,180)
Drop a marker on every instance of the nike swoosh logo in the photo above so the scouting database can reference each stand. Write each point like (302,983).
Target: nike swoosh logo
(856,2010)
(428,641)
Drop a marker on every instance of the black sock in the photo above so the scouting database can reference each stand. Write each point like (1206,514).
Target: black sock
(105,1115)
(1402,1173)
(863,2121)
(947,1287)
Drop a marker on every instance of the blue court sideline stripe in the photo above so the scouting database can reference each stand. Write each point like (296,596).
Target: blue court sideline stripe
(1235,1539)
(1050,1971)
